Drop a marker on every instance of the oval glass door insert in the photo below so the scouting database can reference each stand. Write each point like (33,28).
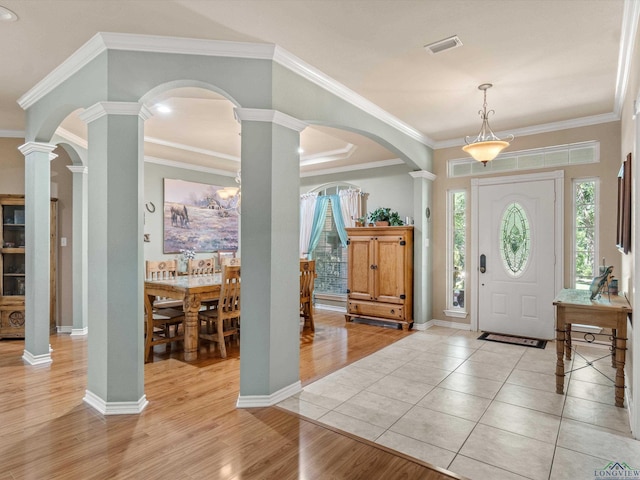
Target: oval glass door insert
(515,239)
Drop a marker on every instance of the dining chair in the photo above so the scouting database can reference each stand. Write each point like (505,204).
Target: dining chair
(164,318)
(307,280)
(201,266)
(230,262)
(162,270)
(158,323)
(222,254)
(223,322)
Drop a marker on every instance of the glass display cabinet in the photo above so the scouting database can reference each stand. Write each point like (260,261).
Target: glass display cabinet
(12,266)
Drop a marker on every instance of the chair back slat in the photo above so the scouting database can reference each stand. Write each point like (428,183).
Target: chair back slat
(230,262)
(160,269)
(201,266)
(229,303)
(307,282)
(307,277)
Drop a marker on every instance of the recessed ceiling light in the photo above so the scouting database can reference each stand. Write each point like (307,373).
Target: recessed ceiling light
(7,15)
(162,108)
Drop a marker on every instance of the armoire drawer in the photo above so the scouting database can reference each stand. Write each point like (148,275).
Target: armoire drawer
(373,309)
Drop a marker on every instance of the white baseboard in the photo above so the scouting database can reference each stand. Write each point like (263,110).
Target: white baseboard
(253,401)
(115,408)
(447,324)
(62,329)
(42,359)
(79,332)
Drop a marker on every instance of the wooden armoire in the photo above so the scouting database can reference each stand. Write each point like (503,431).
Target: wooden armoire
(380,274)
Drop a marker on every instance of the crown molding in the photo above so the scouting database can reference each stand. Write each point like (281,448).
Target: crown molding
(78,59)
(189,148)
(542,128)
(72,138)
(328,156)
(12,133)
(353,168)
(103,41)
(296,65)
(630,16)
(189,166)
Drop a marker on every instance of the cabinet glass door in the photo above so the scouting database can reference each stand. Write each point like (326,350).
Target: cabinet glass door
(13,239)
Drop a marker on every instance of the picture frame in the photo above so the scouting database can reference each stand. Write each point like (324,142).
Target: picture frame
(199,217)
(623,227)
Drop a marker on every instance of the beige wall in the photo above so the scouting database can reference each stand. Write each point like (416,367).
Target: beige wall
(628,142)
(609,137)
(11,166)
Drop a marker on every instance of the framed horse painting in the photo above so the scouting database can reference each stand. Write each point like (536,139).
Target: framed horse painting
(200,217)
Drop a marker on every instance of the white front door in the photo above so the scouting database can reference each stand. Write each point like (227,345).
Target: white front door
(516,257)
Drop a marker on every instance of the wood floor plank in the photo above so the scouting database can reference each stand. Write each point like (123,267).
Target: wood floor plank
(191,428)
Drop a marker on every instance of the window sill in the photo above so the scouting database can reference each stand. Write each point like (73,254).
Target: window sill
(455,313)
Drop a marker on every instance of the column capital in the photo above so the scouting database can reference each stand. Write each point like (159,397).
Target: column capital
(100,109)
(423,174)
(38,147)
(266,115)
(78,169)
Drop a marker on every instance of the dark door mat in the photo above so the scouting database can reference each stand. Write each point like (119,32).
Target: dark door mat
(513,340)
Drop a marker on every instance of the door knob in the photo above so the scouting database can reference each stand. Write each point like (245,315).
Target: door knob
(483,263)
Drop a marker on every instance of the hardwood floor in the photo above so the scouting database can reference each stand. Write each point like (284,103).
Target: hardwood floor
(191,428)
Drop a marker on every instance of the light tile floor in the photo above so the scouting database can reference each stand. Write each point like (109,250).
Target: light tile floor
(480,409)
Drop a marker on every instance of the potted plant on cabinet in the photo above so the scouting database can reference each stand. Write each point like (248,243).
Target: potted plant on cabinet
(383,216)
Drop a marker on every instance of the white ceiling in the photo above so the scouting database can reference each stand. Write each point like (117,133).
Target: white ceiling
(551,62)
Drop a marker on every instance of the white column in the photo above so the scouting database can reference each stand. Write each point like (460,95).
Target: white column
(38,156)
(79,253)
(270,340)
(115,373)
(423,274)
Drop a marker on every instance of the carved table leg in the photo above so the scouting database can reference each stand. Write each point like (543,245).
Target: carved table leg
(614,334)
(567,336)
(621,348)
(560,338)
(191,307)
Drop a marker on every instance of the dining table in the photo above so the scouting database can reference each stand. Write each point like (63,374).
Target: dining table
(192,290)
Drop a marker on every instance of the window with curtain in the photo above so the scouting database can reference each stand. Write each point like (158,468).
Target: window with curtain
(330,254)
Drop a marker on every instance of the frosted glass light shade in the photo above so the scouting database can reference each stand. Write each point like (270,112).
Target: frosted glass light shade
(485,151)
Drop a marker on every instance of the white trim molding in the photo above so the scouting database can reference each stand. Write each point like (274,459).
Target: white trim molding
(78,169)
(558,177)
(254,401)
(79,332)
(354,167)
(39,147)
(267,115)
(423,174)
(100,109)
(32,359)
(104,41)
(115,408)
(443,323)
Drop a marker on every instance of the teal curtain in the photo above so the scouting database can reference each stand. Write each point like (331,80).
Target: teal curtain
(337,218)
(319,217)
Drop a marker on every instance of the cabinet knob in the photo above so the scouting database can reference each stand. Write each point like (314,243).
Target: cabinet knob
(393,311)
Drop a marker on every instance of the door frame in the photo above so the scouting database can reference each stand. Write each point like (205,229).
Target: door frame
(476,183)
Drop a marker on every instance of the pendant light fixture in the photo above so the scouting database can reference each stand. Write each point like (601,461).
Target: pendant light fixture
(486,145)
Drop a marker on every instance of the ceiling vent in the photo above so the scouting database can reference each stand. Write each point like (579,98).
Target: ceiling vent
(442,45)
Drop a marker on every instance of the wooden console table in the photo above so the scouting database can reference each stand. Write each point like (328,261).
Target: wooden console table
(575,306)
